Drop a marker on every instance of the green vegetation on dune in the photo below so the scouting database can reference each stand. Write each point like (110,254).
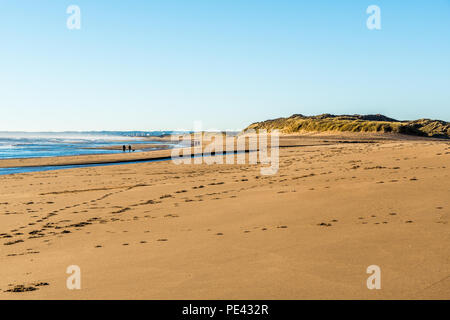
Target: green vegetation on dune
(298,123)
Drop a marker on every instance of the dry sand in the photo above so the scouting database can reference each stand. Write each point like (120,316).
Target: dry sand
(165,231)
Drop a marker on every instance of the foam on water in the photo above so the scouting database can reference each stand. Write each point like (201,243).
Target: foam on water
(35,145)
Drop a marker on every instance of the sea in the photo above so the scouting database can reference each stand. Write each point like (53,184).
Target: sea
(53,144)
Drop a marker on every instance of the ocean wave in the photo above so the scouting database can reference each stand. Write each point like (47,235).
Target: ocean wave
(31,145)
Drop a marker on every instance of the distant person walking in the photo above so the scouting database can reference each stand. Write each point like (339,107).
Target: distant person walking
(129,148)
(124,148)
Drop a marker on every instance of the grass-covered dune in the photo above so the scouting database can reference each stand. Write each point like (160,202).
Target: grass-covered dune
(298,123)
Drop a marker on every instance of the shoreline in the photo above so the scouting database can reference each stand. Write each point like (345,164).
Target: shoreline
(286,140)
(130,161)
(98,164)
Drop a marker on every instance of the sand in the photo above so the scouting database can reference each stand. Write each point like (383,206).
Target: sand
(165,231)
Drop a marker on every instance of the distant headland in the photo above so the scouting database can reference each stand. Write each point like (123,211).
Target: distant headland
(299,123)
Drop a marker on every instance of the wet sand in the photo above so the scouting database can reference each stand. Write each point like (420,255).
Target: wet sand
(136,147)
(165,231)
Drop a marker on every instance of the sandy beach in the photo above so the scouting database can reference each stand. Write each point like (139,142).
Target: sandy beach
(165,231)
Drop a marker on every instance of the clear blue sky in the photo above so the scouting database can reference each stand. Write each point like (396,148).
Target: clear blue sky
(143,65)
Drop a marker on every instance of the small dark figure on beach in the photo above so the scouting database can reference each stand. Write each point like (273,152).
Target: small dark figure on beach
(124,148)
(129,148)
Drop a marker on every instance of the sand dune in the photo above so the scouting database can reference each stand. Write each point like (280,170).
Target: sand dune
(165,231)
